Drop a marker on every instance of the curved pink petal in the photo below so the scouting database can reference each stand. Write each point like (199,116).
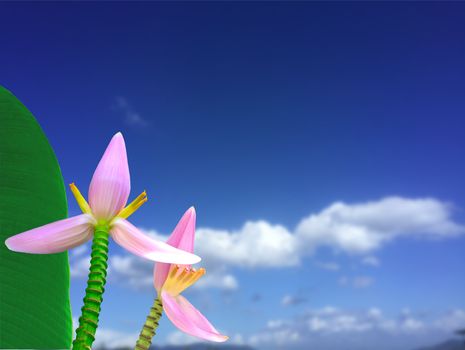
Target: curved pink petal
(55,237)
(181,238)
(131,238)
(111,184)
(188,319)
(184,233)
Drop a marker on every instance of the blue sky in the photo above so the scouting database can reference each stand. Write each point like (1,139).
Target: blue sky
(264,115)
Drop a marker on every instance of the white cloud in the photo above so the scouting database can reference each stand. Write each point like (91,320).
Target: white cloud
(179,338)
(356,282)
(350,228)
(362,281)
(451,321)
(111,339)
(330,266)
(79,267)
(330,328)
(289,300)
(363,228)
(132,117)
(132,271)
(256,244)
(79,250)
(277,337)
(137,273)
(371,261)
(219,280)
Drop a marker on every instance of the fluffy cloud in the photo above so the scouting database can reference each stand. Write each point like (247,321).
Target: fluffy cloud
(350,228)
(330,328)
(137,273)
(371,261)
(330,266)
(289,300)
(79,267)
(218,279)
(256,244)
(356,282)
(132,271)
(112,339)
(106,338)
(178,338)
(363,228)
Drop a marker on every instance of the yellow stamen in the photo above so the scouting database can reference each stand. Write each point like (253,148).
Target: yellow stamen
(81,201)
(180,278)
(135,204)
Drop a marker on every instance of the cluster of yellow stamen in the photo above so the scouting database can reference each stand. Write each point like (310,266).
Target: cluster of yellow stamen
(124,213)
(180,278)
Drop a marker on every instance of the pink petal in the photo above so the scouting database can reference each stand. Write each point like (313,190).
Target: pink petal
(111,184)
(129,237)
(55,237)
(182,238)
(184,233)
(188,319)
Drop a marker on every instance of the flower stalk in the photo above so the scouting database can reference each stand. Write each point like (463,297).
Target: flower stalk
(150,326)
(90,311)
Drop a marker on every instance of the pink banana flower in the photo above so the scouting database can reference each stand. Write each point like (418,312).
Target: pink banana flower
(104,215)
(170,280)
(108,195)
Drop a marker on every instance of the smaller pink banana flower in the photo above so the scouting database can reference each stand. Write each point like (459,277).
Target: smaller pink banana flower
(170,280)
(108,194)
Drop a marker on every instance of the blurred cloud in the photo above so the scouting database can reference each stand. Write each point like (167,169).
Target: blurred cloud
(363,228)
(362,281)
(106,338)
(178,338)
(218,279)
(330,266)
(356,282)
(80,250)
(111,339)
(79,267)
(350,228)
(290,300)
(334,328)
(131,271)
(371,261)
(325,328)
(137,273)
(131,117)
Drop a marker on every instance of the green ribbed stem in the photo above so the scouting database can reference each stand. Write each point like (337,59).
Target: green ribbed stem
(150,326)
(88,322)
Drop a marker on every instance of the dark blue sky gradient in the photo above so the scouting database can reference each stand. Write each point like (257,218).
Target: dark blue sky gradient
(269,107)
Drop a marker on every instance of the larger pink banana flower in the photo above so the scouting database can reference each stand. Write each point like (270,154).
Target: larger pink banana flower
(104,215)
(108,195)
(170,281)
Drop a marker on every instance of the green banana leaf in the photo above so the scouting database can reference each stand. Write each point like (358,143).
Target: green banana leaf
(35,309)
